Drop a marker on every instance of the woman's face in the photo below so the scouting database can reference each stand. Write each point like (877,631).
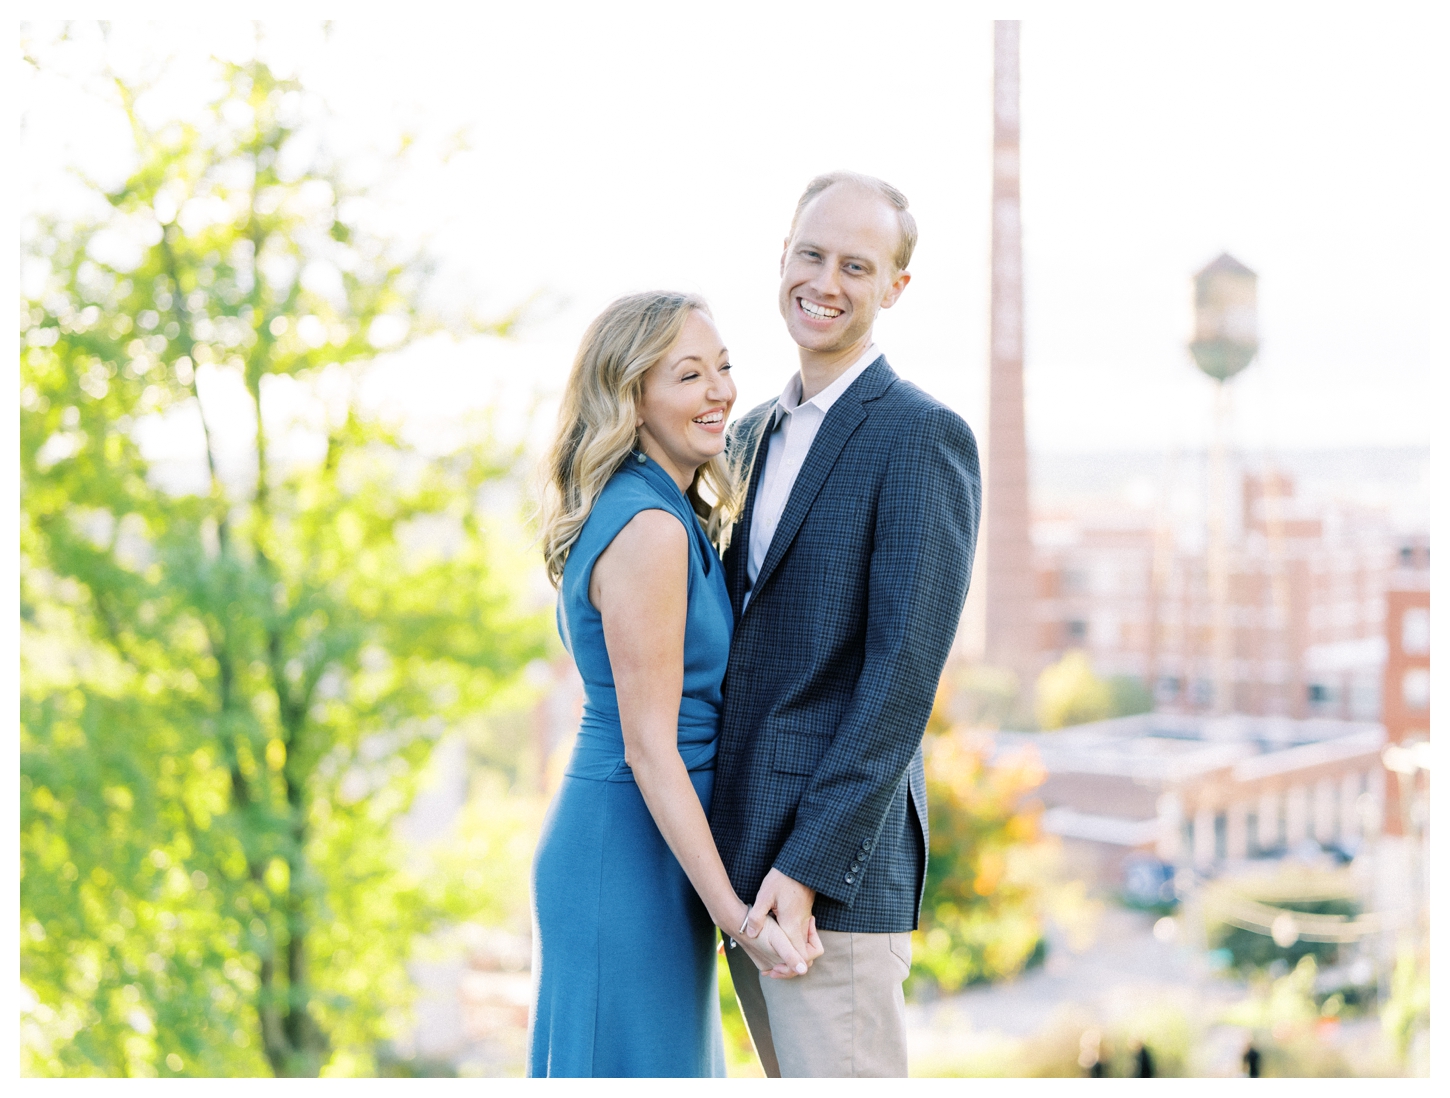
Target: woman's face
(686,400)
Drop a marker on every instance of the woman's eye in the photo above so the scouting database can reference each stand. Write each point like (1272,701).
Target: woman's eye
(726,367)
(689,377)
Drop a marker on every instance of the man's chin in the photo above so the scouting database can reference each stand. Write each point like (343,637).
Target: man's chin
(818,342)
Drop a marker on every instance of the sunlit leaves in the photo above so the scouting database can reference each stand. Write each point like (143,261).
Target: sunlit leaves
(228,691)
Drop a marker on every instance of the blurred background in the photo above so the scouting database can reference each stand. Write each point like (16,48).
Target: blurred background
(297,300)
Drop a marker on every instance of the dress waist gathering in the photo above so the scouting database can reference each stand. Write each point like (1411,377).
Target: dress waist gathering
(599,749)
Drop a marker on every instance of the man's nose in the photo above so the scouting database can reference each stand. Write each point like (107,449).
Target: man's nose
(827,280)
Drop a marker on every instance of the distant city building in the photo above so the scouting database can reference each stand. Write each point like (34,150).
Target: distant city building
(1406,690)
(1307,603)
(1202,793)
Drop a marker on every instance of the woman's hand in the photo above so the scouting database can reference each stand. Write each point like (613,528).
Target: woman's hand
(774,954)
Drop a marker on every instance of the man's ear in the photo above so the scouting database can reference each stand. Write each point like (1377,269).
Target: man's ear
(784,251)
(896,289)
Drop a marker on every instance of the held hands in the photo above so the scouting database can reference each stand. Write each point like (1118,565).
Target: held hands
(773,953)
(790,902)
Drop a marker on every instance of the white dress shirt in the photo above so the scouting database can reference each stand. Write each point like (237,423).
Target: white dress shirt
(793,429)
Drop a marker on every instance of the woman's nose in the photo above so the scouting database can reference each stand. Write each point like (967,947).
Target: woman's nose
(721,388)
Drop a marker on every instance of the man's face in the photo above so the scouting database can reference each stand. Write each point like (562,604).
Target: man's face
(838,269)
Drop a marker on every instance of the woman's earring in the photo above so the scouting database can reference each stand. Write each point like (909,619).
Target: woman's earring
(639,457)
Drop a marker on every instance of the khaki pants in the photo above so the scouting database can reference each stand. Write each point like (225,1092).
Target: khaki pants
(846,1018)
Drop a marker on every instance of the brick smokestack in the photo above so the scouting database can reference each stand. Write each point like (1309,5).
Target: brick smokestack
(1011,628)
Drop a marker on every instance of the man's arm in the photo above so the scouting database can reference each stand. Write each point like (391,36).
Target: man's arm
(927,518)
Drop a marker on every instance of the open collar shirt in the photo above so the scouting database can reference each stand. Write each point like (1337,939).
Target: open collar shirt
(793,428)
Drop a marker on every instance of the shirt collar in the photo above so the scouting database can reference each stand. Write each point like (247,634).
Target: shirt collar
(790,397)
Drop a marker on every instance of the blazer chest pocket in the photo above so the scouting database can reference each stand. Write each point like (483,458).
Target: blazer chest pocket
(799,753)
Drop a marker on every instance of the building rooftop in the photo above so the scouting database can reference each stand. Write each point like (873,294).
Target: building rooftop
(1171,749)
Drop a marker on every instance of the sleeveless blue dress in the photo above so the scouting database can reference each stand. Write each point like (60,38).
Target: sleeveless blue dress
(624,951)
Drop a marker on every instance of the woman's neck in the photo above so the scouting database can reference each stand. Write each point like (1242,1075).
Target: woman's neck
(683,476)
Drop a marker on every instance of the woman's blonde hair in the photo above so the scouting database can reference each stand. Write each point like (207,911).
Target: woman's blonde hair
(597,422)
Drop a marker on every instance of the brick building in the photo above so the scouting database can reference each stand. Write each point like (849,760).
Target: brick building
(1203,793)
(1307,597)
(1406,690)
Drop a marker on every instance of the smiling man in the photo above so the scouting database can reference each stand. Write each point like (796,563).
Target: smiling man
(847,573)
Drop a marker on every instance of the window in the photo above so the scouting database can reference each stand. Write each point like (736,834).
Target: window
(1415,630)
(1076,632)
(1319,693)
(1415,688)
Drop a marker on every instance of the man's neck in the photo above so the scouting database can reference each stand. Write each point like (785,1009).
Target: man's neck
(820,368)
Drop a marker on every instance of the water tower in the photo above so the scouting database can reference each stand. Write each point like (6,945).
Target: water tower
(1225,341)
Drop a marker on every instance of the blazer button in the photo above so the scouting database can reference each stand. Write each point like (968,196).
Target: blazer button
(850,879)
(854,868)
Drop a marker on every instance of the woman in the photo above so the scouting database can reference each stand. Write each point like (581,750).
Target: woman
(628,886)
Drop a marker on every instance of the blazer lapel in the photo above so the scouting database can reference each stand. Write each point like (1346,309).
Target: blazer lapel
(738,554)
(838,426)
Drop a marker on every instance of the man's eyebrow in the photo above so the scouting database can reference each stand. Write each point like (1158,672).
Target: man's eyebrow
(853,258)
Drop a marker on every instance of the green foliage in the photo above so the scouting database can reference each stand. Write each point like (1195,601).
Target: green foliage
(227,694)
(1251,945)
(740,1059)
(1130,696)
(1069,693)
(1407,1012)
(981,915)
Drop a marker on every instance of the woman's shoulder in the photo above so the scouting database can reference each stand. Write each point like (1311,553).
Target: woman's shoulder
(625,495)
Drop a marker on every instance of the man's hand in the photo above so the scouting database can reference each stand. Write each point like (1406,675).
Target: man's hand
(790,902)
(773,953)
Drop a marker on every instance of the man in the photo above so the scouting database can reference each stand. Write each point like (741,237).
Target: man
(847,572)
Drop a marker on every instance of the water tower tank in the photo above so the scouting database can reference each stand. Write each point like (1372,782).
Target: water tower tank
(1226,317)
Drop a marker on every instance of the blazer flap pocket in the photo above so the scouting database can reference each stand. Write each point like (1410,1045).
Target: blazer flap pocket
(799,752)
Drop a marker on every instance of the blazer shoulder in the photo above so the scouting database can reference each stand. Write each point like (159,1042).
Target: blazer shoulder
(907,404)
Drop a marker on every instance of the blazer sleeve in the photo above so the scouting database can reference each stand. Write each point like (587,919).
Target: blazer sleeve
(927,515)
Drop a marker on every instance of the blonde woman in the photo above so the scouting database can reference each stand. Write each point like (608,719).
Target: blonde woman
(628,887)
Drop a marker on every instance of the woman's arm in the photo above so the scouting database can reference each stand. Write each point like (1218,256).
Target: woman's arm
(640,588)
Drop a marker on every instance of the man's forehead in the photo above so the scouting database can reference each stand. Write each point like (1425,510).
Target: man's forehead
(844,212)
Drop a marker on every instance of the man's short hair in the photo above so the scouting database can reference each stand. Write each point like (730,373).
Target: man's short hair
(875,186)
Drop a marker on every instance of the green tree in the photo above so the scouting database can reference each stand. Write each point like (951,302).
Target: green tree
(227,692)
(1069,693)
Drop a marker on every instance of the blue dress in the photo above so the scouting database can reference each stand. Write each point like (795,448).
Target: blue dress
(624,951)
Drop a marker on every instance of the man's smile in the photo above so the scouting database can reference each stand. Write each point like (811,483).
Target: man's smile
(816,311)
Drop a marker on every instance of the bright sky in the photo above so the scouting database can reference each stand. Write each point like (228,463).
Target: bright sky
(615,147)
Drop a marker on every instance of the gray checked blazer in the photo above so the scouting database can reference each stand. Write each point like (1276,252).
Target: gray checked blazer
(835,663)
